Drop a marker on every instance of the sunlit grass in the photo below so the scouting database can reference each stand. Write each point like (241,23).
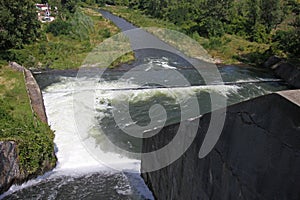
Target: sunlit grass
(17,123)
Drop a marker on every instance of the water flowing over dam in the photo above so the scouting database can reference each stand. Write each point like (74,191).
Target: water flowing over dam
(79,173)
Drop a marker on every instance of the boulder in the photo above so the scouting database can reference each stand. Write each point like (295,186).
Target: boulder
(272,61)
(9,165)
(289,73)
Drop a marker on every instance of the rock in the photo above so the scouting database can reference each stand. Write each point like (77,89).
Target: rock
(9,165)
(288,72)
(10,171)
(271,61)
(284,70)
(256,157)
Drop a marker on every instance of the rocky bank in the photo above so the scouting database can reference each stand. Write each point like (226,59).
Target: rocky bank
(10,172)
(9,165)
(284,70)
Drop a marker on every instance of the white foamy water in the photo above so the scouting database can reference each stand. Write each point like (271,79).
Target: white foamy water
(74,159)
(71,152)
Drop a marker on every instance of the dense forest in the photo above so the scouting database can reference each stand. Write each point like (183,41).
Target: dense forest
(272,22)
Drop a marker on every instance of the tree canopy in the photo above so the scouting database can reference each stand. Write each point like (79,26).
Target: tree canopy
(18,23)
(255,20)
(252,19)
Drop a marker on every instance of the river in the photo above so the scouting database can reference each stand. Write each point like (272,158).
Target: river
(113,174)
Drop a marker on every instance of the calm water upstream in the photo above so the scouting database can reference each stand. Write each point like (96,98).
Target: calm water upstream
(78,174)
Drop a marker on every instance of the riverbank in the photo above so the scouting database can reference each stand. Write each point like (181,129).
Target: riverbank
(26,140)
(228,49)
(285,70)
(60,49)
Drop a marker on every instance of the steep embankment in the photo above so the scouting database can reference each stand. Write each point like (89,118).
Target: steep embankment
(256,157)
(26,141)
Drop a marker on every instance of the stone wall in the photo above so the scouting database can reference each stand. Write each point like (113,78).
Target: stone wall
(256,157)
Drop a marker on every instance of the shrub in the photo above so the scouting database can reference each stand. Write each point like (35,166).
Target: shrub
(287,41)
(59,27)
(105,33)
(259,34)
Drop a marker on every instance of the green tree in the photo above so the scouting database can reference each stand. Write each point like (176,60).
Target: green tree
(289,41)
(255,29)
(272,13)
(18,23)
(253,13)
(70,5)
(213,15)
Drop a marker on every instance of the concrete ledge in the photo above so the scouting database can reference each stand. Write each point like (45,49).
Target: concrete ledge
(16,66)
(34,92)
(292,95)
(35,95)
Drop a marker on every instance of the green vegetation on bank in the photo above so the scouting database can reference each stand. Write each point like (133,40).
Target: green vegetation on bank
(245,31)
(17,123)
(229,49)
(66,42)
(256,28)
(138,18)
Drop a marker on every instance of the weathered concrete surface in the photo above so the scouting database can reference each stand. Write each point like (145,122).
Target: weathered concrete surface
(35,95)
(16,66)
(256,157)
(10,171)
(291,95)
(34,92)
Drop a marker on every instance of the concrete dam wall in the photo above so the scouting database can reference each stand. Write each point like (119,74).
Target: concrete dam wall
(256,157)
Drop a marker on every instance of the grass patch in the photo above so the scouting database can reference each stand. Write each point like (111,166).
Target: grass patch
(17,123)
(231,49)
(111,53)
(139,19)
(126,58)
